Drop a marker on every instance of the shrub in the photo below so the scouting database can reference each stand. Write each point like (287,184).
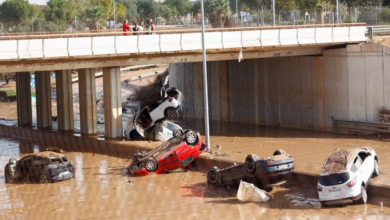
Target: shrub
(8,96)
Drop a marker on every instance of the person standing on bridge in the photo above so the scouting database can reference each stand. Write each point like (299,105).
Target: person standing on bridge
(135,29)
(141,28)
(125,28)
(153,27)
(148,27)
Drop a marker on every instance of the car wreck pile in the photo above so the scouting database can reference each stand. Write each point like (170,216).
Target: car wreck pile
(344,177)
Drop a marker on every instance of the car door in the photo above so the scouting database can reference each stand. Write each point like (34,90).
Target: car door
(368,164)
(360,169)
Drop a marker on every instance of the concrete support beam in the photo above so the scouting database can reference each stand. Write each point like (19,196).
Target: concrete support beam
(87,101)
(112,102)
(23,96)
(43,92)
(64,100)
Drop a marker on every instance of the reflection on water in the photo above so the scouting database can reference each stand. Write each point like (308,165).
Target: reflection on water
(101,189)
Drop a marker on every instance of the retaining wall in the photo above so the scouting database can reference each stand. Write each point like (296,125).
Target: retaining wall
(351,83)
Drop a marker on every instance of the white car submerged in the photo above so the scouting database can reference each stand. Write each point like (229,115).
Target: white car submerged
(345,176)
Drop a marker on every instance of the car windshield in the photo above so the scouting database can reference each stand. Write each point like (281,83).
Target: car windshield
(334,179)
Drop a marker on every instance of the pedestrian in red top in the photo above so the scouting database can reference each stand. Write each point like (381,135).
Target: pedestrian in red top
(126,28)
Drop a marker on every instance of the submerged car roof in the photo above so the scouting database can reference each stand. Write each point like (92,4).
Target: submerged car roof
(338,161)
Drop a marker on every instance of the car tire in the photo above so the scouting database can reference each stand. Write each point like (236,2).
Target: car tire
(178,132)
(7,174)
(44,177)
(134,135)
(150,165)
(363,198)
(376,169)
(191,138)
(171,113)
(279,152)
(250,164)
(212,176)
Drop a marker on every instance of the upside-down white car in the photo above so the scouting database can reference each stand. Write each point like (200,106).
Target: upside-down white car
(345,176)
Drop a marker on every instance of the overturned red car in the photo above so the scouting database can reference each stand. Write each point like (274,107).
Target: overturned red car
(175,153)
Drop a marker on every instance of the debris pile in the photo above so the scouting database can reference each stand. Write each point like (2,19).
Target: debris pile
(250,193)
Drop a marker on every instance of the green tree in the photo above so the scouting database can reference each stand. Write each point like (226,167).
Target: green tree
(147,9)
(217,12)
(182,6)
(168,12)
(95,14)
(131,11)
(257,4)
(13,12)
(120,10)
(60,12)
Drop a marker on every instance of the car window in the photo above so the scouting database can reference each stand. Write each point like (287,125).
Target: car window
(334,179)
(170,126)
(38,161)
(357,162)
(156,103)
(363,155)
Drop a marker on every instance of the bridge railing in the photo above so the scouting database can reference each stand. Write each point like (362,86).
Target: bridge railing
(105,44)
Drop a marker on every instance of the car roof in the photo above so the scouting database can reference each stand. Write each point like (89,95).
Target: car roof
(47,154)
(339,161)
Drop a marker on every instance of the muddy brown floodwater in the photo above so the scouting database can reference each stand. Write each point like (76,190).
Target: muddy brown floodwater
(102,190)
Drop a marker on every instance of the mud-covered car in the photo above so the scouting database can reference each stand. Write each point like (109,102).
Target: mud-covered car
(43,167)
(272,170)
(345,176)
(172,154)
(161,131)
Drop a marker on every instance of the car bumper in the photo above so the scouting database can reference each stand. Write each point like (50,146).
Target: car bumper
(63,176)
(137,171)
(346,199)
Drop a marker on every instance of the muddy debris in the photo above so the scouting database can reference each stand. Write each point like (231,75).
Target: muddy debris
(336,162)
(220,153)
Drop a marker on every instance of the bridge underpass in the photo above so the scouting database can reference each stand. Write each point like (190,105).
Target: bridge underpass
(350,83)
(85,52)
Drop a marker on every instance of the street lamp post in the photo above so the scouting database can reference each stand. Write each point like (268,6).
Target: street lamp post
(205,95)
(113,2)
(337,11)
(273,12)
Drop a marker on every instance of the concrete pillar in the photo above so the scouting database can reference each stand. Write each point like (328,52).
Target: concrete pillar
(23,98)
(64,100)
(43,91)
(87,101)
(112,102)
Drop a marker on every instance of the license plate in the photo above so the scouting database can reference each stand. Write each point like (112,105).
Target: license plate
(334,190)
(284,166)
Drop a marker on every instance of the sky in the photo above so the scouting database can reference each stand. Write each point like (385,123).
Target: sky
(38,2)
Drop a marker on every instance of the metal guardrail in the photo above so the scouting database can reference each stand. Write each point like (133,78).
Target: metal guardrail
(361,127)
(378,30)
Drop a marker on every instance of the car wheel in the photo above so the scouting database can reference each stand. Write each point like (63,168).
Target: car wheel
(150,165)
(212,176)
(191,138)
(376,169)
(363,198)
(250,164)
(171,113)
(134,135)
(178,132)
(279,152)
(44,177)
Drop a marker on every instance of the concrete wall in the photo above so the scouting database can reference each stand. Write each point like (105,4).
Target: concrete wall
(305,92)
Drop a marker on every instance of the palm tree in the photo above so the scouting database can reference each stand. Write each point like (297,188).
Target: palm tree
(217,11)
(95,14)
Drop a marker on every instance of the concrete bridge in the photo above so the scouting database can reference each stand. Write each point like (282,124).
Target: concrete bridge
(85,52)
(56,52)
